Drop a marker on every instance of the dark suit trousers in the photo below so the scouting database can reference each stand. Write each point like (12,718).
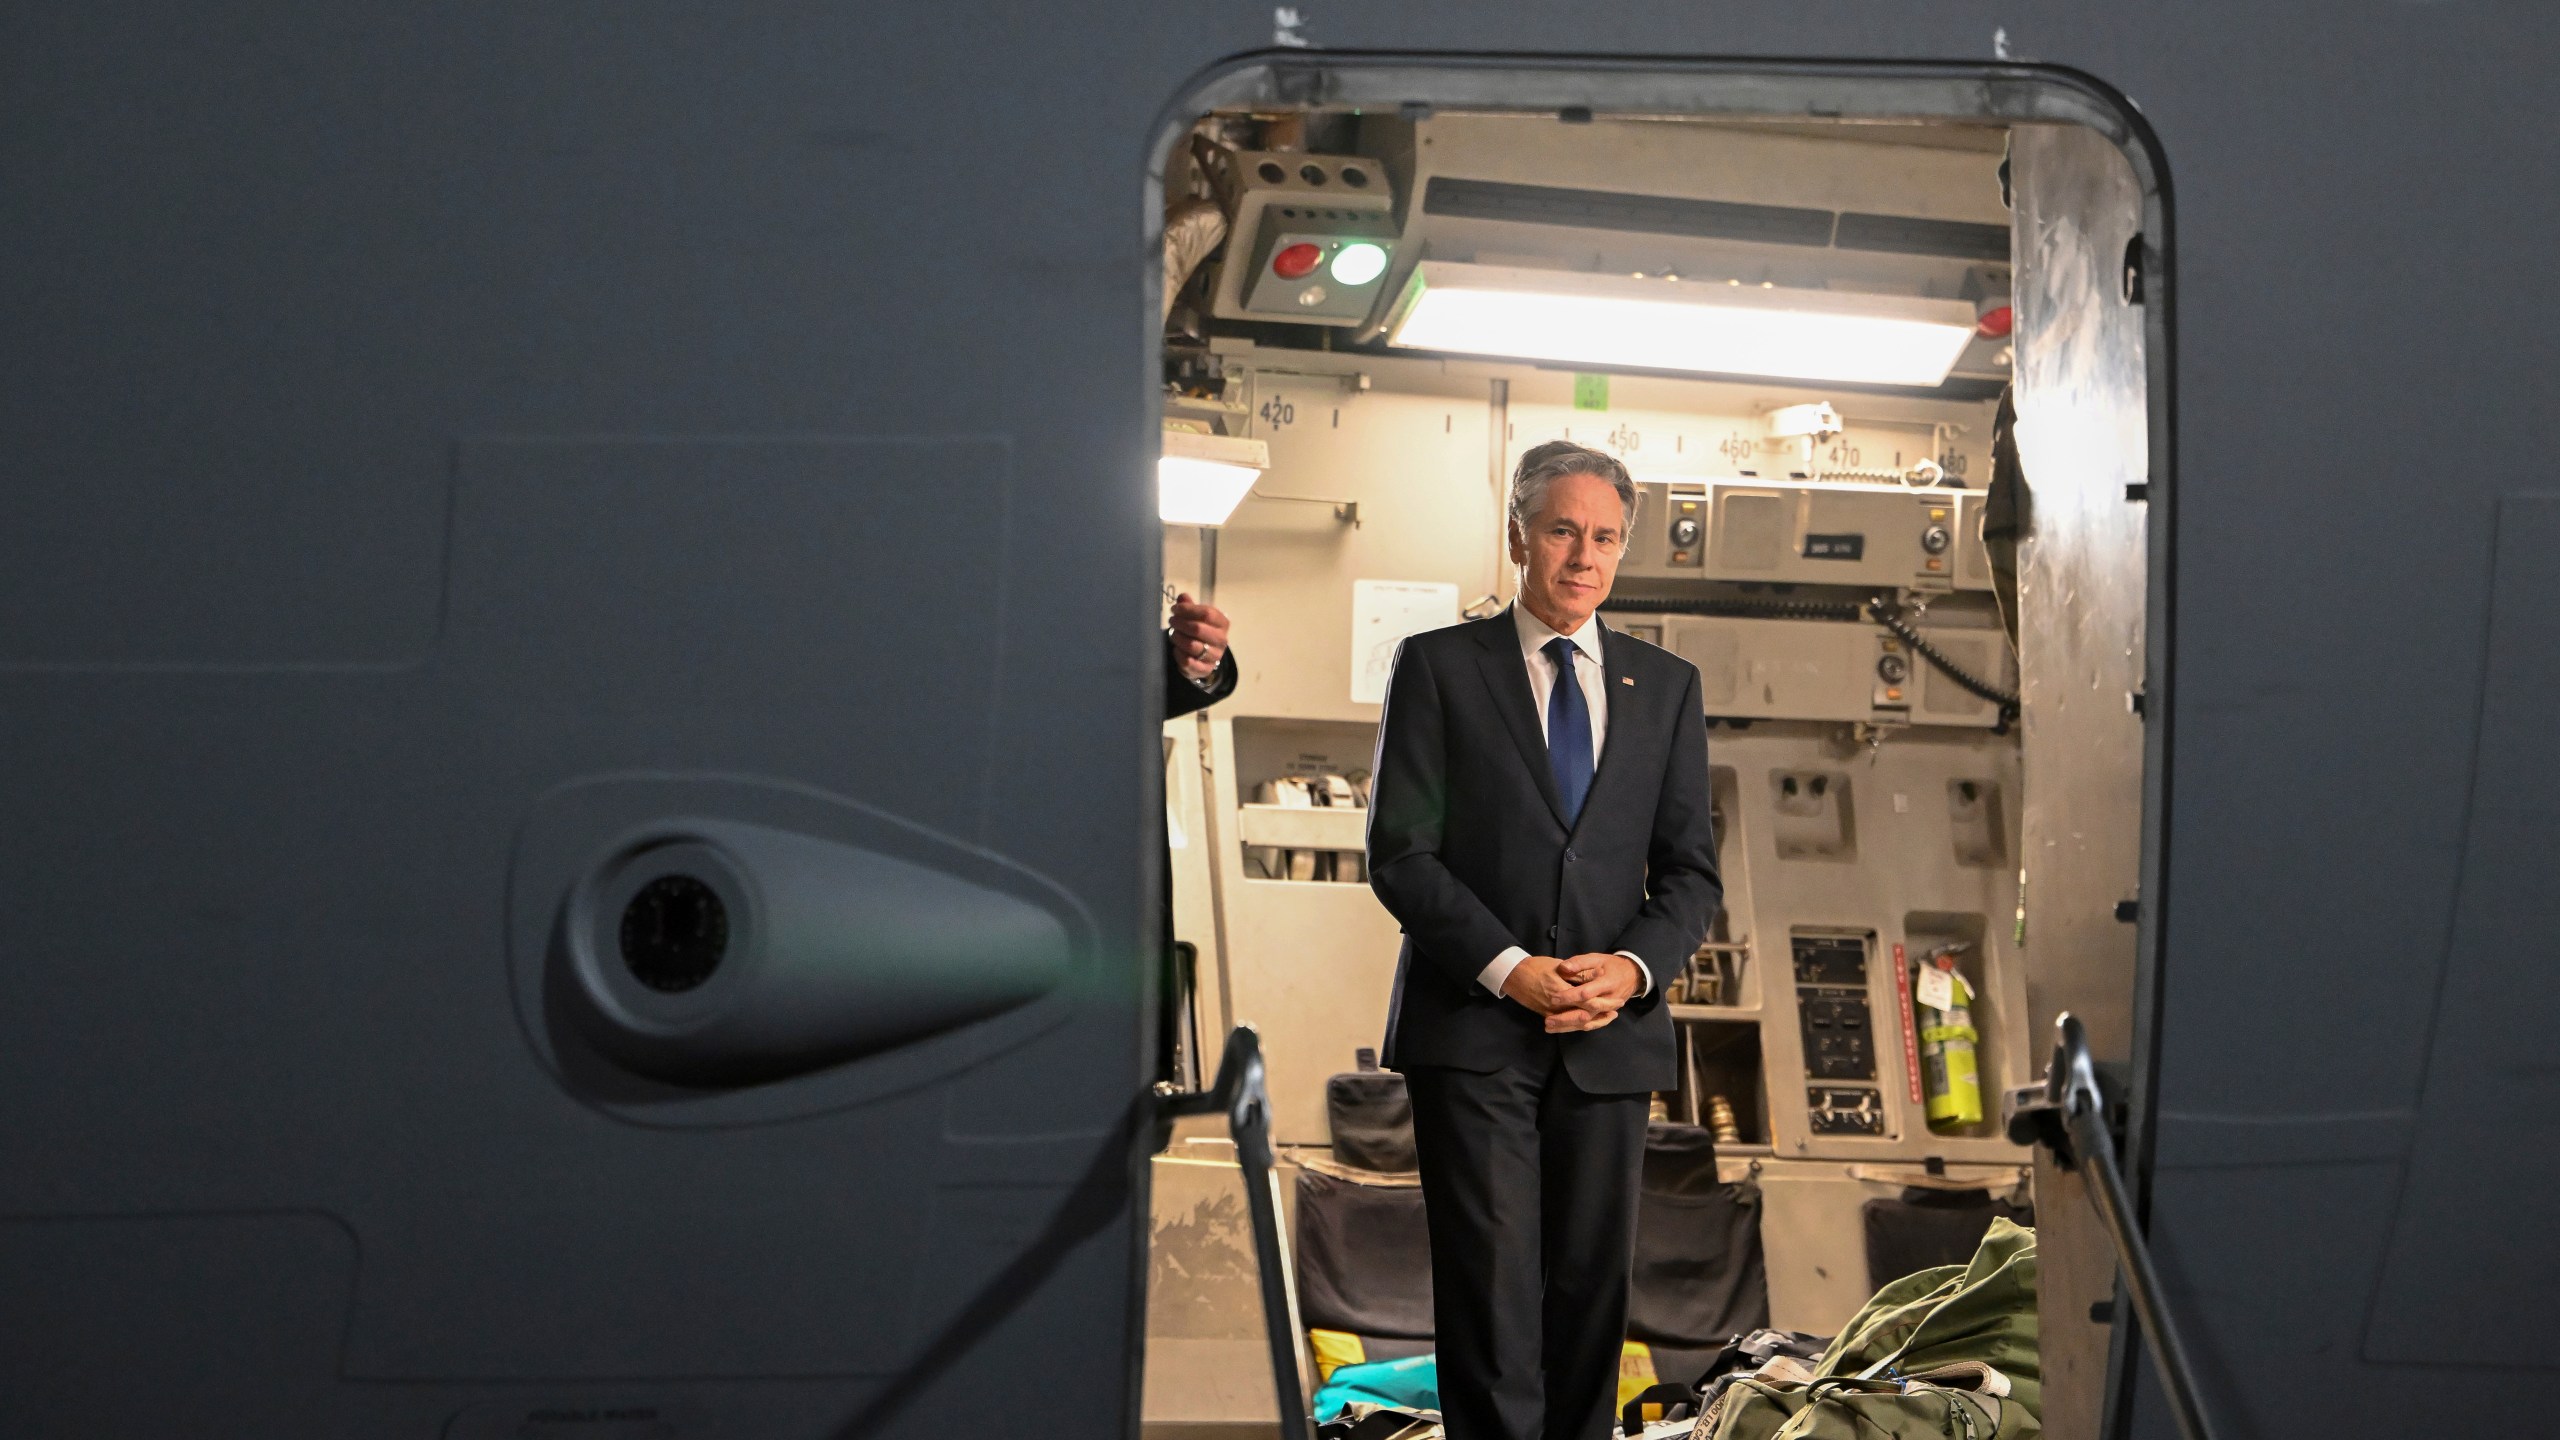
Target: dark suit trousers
(1530,1186)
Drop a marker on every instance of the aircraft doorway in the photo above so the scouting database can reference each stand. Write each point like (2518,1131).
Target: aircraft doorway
(1912,558)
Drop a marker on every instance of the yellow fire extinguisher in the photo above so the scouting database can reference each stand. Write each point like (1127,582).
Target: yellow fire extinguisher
(1949,1069)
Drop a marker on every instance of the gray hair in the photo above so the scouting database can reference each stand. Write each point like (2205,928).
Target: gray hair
(1544,465)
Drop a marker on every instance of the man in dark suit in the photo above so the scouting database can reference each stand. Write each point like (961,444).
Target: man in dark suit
(1539,826)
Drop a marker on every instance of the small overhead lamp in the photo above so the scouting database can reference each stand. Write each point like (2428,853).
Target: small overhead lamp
(1618,322)
(1201,478)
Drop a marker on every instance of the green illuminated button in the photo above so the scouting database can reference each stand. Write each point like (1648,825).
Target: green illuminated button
(1359,263)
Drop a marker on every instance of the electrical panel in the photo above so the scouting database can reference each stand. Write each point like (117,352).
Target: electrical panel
(1837,1110)
(1830,670)
(1311,241)
(1838,1025)
(1810,532)
(1831,1004)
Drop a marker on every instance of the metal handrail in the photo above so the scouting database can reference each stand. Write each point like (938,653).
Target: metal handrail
(1242,1095)
(2071,1120)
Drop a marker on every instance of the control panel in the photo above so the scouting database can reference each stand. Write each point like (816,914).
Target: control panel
(1831,1003)
(1838,1025)
(1839,1110)
(1314,237)
(1810,532)
(1752,669)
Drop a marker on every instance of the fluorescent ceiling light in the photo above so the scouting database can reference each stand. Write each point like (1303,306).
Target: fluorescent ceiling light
(1620,323)
(1201,479)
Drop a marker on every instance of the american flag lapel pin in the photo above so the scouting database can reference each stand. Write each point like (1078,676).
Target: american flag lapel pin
(1626,679)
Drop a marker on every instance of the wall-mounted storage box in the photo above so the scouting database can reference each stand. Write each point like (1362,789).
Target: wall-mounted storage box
(1302,791)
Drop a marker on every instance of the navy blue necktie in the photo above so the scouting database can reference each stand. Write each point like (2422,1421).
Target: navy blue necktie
(1568,731)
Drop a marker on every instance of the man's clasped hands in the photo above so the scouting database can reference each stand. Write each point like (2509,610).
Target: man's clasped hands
(1580,992)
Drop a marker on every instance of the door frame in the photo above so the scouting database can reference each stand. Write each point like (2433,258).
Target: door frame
(2000,92)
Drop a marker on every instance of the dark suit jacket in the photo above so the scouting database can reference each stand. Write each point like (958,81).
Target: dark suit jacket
(1469,851)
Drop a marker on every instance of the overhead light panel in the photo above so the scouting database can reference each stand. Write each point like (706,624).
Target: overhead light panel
(1616,322)
(1201,479)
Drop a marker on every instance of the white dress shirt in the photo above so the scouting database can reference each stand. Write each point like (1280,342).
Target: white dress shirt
(1592,675)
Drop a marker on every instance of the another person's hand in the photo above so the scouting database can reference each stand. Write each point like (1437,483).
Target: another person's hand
(1199,634)
(1599,986)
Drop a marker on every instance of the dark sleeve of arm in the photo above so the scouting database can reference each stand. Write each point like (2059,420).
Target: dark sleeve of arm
(1182,694)
(1682,888)
(1408,807)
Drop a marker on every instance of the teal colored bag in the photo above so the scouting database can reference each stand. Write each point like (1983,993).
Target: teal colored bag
(1412,1383)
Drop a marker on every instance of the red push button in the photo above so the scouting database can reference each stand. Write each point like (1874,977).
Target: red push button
(1296,262)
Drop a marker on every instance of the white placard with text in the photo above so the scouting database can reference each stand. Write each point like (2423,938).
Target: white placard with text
(1383,612)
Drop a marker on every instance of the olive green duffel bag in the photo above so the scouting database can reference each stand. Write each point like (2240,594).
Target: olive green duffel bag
(1947,1354)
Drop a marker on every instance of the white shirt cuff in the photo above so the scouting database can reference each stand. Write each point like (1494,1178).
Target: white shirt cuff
(1644,974)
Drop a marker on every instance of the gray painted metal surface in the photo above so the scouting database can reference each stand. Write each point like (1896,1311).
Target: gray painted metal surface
(2475,1200)
(276,1156)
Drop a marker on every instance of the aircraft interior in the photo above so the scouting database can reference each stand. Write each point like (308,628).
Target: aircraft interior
(1920,641)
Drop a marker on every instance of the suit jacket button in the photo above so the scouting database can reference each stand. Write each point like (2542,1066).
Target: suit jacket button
(1568,857)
